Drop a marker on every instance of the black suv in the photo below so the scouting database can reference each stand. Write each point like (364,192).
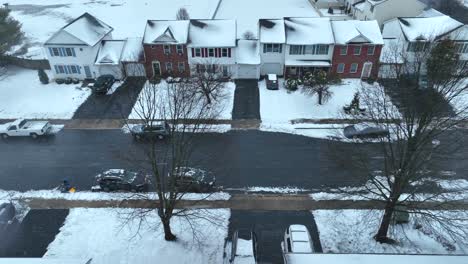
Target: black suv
(194,180)
(154,129)
(103,84)
(122,180)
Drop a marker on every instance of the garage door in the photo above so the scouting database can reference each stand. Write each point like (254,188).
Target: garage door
(248,72)
(135,69)
(274,68)
(113,70)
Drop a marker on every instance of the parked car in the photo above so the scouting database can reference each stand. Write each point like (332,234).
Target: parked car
(103,84)
(363,131)
(194,180)
(7,215)
(24,128)
(243,247)
(122,180)
(272,82)
(297,240)
(154,129)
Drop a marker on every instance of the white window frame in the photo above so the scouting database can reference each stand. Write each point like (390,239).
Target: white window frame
(355,48)
(225,70)
(272,48)
(342,66)
(370,47)
(345,48)
(180,49)
(224,52)
(211,52)
(461,47)
(181,66)
(198,52)
(167,64)
(167,49)
(351,68)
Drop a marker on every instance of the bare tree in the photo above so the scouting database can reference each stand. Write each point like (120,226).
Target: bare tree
(186,110)
(182,14)
(209,81)
(415,133)
(318,83)
(248,35)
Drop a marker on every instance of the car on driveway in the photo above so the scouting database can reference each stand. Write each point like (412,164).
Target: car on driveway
(365,132)
(297,240)
(152,130)
(122,180)
(103,84)
(25,128)
(272,82)
(194,180)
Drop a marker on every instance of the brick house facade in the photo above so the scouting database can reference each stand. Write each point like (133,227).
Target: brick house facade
(349,60)
(171,60)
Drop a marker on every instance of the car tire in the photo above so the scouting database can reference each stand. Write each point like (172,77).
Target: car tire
(4,136)
(34,135)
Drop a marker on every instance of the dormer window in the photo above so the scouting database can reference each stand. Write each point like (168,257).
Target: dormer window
(167,49)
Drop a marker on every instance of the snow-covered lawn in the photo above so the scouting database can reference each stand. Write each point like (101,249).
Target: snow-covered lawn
(222,109)
(324,131)
(57,13)
(248,12)
(351,231)
(102,235)
(281,106)
(23,96)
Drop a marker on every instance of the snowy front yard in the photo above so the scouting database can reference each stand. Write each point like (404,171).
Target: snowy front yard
(352,231)
(222,109)
(101,234)
(23,96)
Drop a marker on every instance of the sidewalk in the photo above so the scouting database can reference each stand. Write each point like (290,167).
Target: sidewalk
(242,202)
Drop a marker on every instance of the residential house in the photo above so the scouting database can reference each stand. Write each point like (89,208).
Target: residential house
(108,58)
(133,57)
(411,35)
(248,59)
(358,45)
(272,37)
(165,48)
(73,49)
(309,45)
(212,46)
(319,4)
(384,10)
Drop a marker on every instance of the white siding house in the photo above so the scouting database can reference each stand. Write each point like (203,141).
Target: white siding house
(72,50)
(272,46)
(384,10)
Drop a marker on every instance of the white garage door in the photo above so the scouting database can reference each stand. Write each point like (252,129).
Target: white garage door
(247,71)
(113,70)
(274,68)
(135,69)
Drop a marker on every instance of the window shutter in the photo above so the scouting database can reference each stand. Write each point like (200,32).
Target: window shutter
(56,68)
(216,53)
(229,52)
(51,52)
(73,52)
(78,68)
(193,52)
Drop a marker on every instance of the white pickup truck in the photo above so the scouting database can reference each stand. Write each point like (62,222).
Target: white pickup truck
(22,128)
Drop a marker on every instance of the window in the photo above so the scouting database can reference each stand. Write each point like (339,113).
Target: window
(62,52)
(197,52)
(272,48)
(54,51)
(224,52)
(322,50)
(295,50)
(340,68)
(67,69)
(343,50)
(181,67)
(225,71)
(353,68)
(168,66)
(211,52)
(153,46)
(167,49)
(461,47)
(308,49)
(357,50)
(70,52)
(370,50)
(180,49)
(417,46)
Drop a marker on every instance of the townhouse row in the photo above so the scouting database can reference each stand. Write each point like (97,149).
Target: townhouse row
(84,48)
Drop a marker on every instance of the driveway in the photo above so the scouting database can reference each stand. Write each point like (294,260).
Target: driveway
(246,100)
(115,106)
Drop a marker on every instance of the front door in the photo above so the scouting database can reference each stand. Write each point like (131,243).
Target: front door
(156,68)
(87,72)
(366,70)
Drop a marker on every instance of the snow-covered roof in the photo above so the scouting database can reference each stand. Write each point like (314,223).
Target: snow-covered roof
(247,52)
(308,31)
(431,12)
(392,51)
(166,31)
(357,31)
(427,28)
(212,33)
(133,50)
(110,52)
(87,28)
(315,63)
(272,31)
(460,33)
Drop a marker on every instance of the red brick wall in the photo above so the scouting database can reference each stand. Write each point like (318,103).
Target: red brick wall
(156,53)
(350,58)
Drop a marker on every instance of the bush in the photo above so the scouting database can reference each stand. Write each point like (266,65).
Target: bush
(334,78)
(60,81)
(292,84)
(370,80)
(75,81)
(68,80)
(43,76)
